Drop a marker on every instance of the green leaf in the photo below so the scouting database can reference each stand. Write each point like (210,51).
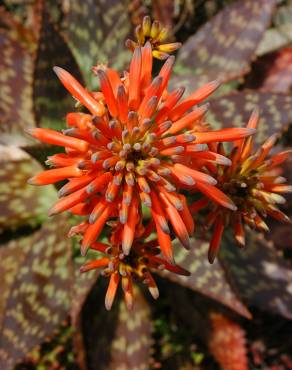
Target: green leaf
(225,46)
(235,109)
(96,33)
(36,279)
(21,203)
(261,275)
(209,280)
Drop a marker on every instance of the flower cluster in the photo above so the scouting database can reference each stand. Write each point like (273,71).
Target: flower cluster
(156,35)
(137,266)
(137,145)
(253,182)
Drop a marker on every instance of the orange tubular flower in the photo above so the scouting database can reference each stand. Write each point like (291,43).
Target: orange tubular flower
(253,182)
(137,266)
(136,144)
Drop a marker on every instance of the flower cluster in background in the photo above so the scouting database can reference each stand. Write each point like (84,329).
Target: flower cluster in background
(137,148)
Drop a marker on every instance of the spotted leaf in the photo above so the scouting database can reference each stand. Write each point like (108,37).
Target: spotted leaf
(82,284)
(280,34)
(132,341)
(261,275)
(21,203)
(224,47)
(37,298)
(16,96)
(51,100)
(272,72)
(235,109)
(80,289)
(96,32)
(206,279)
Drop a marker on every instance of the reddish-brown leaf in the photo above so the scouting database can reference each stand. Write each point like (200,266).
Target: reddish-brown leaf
(235,109)
(225,46)
(227,343)
(96,32)
(21,203)
(16,103)
(132,341)
(272,72)
(163,11)
(81,287)
(209,280)
(260,274)
(37,290)
(51,100)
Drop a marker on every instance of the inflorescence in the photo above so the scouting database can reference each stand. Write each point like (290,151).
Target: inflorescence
(138,145)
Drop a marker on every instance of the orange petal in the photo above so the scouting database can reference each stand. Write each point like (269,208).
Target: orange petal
(152,287)
(216,195)
(75,89)
(188,120)
(212,157)
(197,176)
(176,222)
(80,120)
(111,290)
(68,202)
(164,241)
(97,211)
(63,160)
(196,97)
(279,158)
(56,138)
(216,239)
(158,213)
(77,183)
(134,77)
(254,119)
(186,215)
(129,228)
(151,91)
(102,262)
(173,268)
(108,93)
(98,246)
(239,230)
(122,100)
(81,209)
(98,183)
(226,134)
(198,205)
(55,175)
(281,188)
(94,230)
(165,73)
(147,60)
(168,104)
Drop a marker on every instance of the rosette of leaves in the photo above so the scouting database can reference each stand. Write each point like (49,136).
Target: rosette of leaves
(40,280)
